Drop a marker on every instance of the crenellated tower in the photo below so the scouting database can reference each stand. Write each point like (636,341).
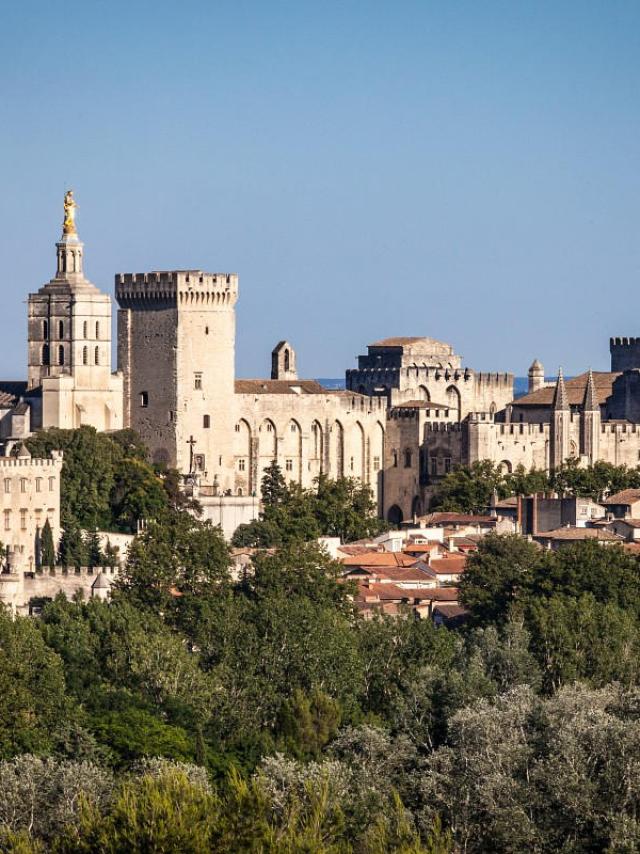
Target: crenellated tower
(176,349)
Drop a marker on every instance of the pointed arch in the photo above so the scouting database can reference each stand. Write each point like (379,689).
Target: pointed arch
(454,402)
(337,450)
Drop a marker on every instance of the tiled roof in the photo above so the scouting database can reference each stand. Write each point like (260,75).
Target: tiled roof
(576,386)
(579,534)
(422,404)
(457,519)
(626,496)
(402,341)
(10,391)
(449,610)
(448,565)
(393,592)
(279,387)
(376,559)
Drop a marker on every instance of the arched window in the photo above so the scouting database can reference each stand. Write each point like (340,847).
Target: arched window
(61,329)
(97,359)
(45,354)
(61,355)
(394,455)
(407,458)
(45,329)
(85,330)
(85,355)
(97,330)
(287,360)
(144,398)
(206,421)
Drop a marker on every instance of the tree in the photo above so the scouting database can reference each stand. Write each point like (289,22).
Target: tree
(274,486)
(93,549)
(72,549)
(497,576)
(137,494)
(47,548)
(469,489)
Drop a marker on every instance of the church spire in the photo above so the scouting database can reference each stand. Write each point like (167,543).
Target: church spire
(560,397)
(590,403)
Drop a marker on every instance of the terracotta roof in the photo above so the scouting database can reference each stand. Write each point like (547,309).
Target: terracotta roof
(423,404)
(391,591)
(376,559)
(449,610)
(626,496)
(448,565)
(385,574)
(457,519)
(352,550)
(579,534)
(576,386)
(279,387)
(422,548)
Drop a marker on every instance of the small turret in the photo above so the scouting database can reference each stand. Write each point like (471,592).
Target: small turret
(283,362)
(590,402)
(536,376)
(560,398)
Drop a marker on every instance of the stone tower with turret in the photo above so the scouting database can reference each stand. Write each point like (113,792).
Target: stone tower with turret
(536,376)
(176,349)
(69,339)
(591,420)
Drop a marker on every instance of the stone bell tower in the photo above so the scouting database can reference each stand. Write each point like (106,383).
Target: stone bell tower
(70,341)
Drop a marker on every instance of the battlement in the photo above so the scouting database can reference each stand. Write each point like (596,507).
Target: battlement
(176,287)
(625,354)
(443,427)
(497,379)
(619,428)
(77,571)
(30,462)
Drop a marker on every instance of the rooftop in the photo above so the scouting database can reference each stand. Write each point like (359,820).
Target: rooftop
(603,381)
(626,496)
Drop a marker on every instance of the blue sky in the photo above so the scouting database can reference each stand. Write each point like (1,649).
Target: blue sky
(464,170)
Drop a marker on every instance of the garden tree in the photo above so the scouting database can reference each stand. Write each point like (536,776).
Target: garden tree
(469,489)
(33,704)
(137,494)
(497,576)
(47,548)
(177,556)
(342,508)
(345,508)
(594,481)
(523,482)
(106,480)
(583,639)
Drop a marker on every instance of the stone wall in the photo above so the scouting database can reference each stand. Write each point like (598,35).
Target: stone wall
(18,589)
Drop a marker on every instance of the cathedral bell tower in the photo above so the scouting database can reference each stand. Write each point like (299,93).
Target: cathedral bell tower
(70,341)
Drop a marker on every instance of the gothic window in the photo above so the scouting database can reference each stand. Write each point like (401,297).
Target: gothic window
(293,427)
(61,329)
(97,330)
(85,331)
(239,493)
(407,459)
(7,520)
(97,358)
(144,399)
(197,382)
(45,354)
(287,360)
(288,465)
(61,355)
(447,465)
(45,329)
(237,428)
(241,465)
(376,463)
(206,421)
(85,355)
(394,455)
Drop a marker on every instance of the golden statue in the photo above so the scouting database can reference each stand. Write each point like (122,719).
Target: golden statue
(69,224)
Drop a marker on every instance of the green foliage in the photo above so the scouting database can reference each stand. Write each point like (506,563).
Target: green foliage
(469,489)
(33,703)
(342,508)
(106,482)
(47,549)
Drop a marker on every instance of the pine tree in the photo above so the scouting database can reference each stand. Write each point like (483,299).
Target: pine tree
(274,486)
(72,551)
(47,549)
(94,550)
